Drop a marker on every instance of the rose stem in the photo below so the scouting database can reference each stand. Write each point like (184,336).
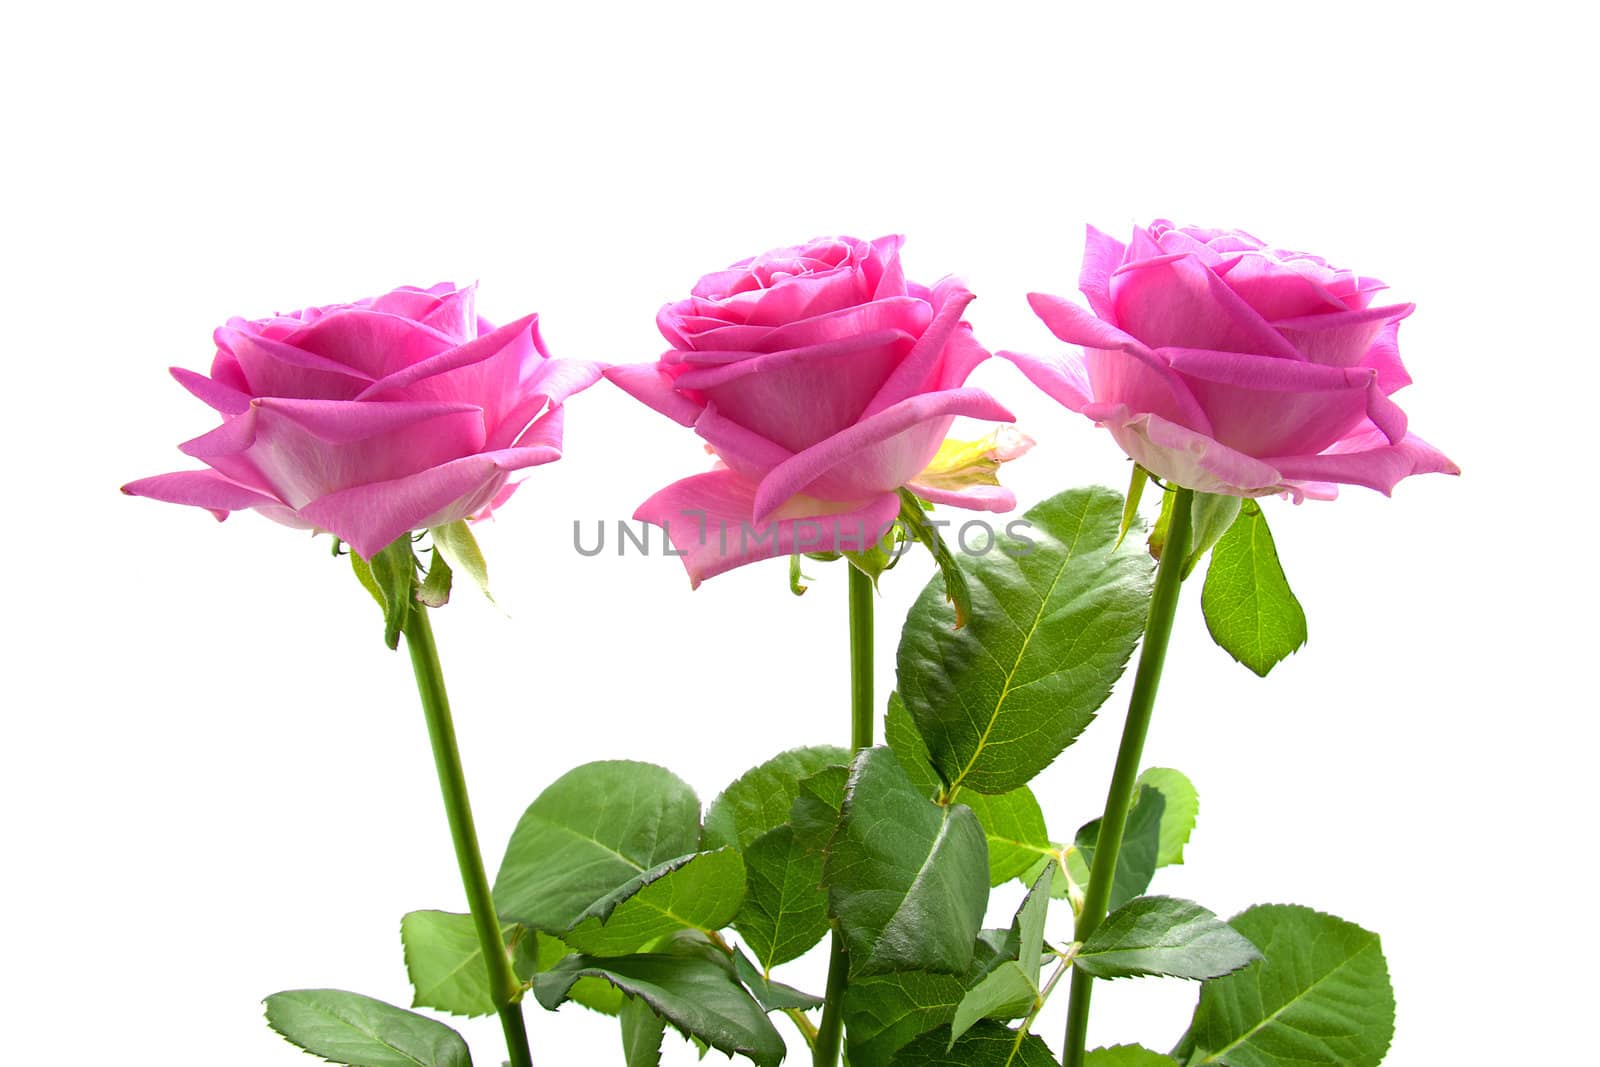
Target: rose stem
(503,985)
(1119,798)
(830,1031)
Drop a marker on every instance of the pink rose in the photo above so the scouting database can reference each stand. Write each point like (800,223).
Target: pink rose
(824,382)
(372,419)
(1229,367)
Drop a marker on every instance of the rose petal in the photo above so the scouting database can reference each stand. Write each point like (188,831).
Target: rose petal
(1178,242)
(878,454)
(1102,254)
(1367,458)
(275,368)
(1064,378)
(371,515)
(972,497)
(1277,290)
(484,371)
(1182,456)
(1177,301)
(455,315)
(306,449)
(201,489)
(1341,338)
(1356,292)
(1384,357)
(799,297)
(882,268)
(962,354)
(728,344)
(805,395)
(648,383)
(707,517)
(223,398)
(411,302)
(1144,382)
(752,455)
(544,432)
(560,379)
(374,343)
(1076,326)
(917,372)
(225,370)
(1265,406)
(1143,245)
(1300,492)
(1115,367)
(552,384)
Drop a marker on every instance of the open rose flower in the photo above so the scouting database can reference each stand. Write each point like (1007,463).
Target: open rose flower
(373,419)
(1227,366)
(824,382)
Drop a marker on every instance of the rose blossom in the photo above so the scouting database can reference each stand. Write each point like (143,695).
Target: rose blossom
(1227,366)
(824,382)
(372,419)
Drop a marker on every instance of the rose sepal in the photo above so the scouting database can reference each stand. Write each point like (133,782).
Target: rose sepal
(390,576)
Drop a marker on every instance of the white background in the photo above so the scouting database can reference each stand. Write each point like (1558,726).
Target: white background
(216,780)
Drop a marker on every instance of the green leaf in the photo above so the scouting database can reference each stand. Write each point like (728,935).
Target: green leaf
(1074,873)
(1012,822)
(1158,536)
(592,993)
(1128,1056)
(435,591)
(1011,990)
(1005,993)
(884,1012)
(593,831)
(989,1044)
(785,910)
(1250,609)
(642,1030)
(445,962)
(815,813)
(699,892)
(1052,628)
(1027,928)
(1320,994)
(957,594)
(797,581)
(907,879)
(460,548)
(773,996)
(1141,847)
(900,734)
(881,557)
(1071,875)
(759,800)
(1014,827)
(1178,814)
(363,573)
(1130,502)
(393,571)
(359,1031)
(1211,515)
(696,996)
(1164,936)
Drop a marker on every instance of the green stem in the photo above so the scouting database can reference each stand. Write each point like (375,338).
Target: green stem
(830,1032)
(860,661)
(503,985)
(1119,798)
